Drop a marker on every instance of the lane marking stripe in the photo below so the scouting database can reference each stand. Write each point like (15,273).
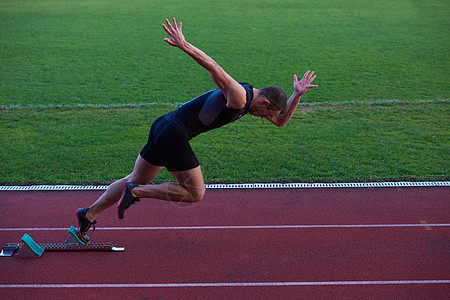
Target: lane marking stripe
(243,186)
(145,104)
(239,227)
(225,284)
(427,227)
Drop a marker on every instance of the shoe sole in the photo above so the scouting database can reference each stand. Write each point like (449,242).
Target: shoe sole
(121,211)
(78,230)
(120,202)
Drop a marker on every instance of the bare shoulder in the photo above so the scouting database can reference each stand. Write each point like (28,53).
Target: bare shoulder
(236,95)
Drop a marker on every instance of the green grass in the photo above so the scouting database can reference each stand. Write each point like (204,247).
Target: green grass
(321,143)
(56,53)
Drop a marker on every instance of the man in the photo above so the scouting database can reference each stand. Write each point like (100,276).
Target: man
(168,143)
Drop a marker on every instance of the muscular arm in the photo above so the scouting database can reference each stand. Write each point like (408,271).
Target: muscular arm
(232,90)
(300,88)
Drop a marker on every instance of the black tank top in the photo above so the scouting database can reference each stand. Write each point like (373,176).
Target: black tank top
(206,112)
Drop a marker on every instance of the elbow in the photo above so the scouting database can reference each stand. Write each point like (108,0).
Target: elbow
(280,123)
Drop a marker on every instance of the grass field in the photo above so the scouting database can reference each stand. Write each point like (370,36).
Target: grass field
(81,82)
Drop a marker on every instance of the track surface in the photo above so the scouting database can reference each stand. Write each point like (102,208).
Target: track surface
(235,245)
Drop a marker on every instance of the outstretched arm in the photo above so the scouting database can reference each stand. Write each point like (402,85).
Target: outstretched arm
(300,88)
(232,90)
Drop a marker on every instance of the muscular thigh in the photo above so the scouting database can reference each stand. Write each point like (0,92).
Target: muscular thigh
(143,172)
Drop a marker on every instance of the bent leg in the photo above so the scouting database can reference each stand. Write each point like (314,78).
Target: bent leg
(143,173)
(190,187)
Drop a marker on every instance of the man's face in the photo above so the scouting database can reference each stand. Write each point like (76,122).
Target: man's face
(260,110)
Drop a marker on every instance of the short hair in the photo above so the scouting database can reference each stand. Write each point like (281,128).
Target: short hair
(276,96)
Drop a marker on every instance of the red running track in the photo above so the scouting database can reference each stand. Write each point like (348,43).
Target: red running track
(205,257)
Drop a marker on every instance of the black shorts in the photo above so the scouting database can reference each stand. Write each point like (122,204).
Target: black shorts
(167,146)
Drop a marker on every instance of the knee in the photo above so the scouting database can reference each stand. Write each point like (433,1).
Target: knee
(197,194)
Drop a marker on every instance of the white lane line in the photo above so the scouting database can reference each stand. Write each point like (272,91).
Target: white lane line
(295,185)
(145,104)
(238,227)
(225,284)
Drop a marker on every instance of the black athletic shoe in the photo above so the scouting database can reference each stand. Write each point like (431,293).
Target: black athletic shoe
(84,224)
(127,198)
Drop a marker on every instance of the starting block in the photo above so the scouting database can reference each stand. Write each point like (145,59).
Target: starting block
(30,248)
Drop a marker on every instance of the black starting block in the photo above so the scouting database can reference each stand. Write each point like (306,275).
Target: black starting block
(30,248)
